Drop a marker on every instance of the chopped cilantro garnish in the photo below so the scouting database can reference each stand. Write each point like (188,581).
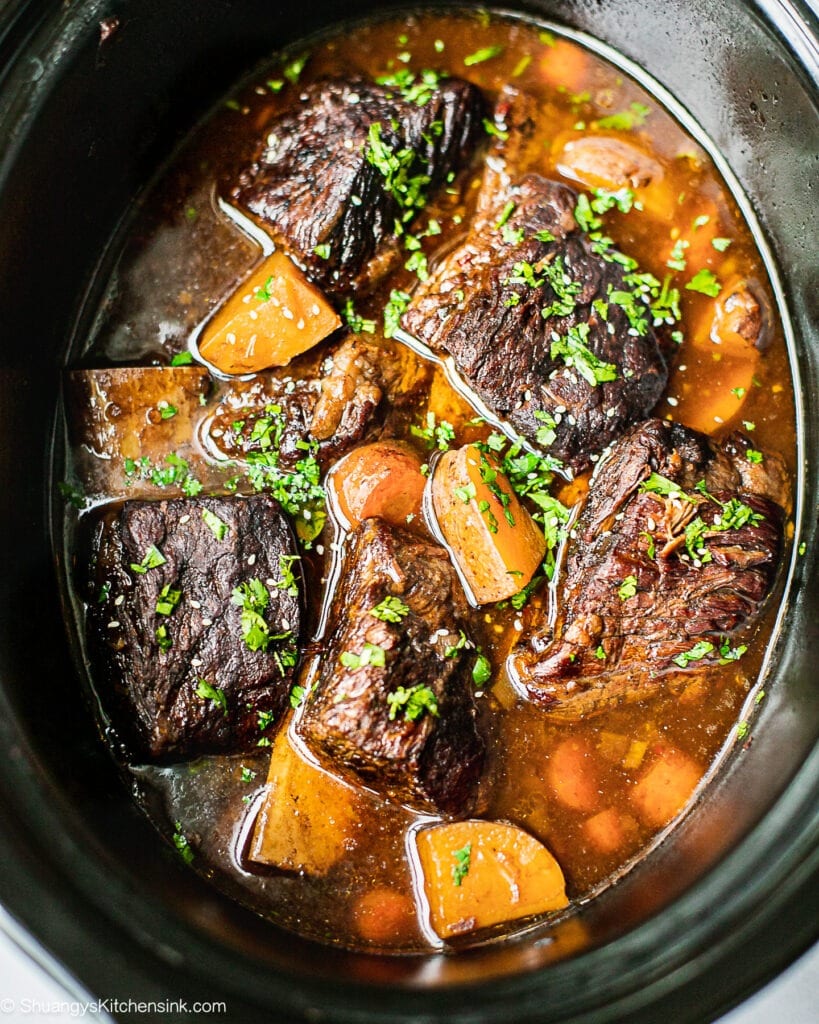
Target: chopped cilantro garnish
(437,435)
(720,244)
(390,609)
(167,600)
(264,720)
(460,869)
(288,582)
(492,129)
(182,359)
(699,651)
(481,670)
(152,558)
(625,120)
(729,654)
(181,843)
(248,775)
(628,588)
(356,323)
(370,654)
(253,598)
(72,494)
(705,282)
(293,70)
(297,697)
(484,54)
(753,456)
(217,526)
(574,352)
(322,250)
(657,484)
(413,701)
(207,691)
(742,730)
(166,410)
(394,310)
(600,653)
(263,294)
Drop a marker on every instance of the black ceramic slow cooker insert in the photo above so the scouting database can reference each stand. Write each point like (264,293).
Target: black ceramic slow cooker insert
(708,917)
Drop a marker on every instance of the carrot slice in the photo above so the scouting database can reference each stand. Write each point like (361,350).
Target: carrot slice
(605,830)
(382,479)
(564,64)
(383,914)
(572,776)
(480,873)
(665,787)
(493,540)
(274,315)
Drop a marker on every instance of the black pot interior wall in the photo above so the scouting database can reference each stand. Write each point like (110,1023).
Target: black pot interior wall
(83,125)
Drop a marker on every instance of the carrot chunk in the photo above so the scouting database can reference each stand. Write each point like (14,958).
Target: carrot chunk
(605,831)
(572,776)
(481,873)
(564,64)
(381,479)
(665,787)
(493,540)
(274,315)
(383,915)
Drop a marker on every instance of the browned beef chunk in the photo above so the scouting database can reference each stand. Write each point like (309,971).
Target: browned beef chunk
(674,550)
(161,621)
(512,313)
(333,403)
(314,185)
(425,752)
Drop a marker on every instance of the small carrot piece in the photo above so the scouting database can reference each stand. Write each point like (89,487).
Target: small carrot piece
(665,787)
(564,64)
(383,915)
(381,479)
(572,776)
(493,540)
(480,873)
(605,831)
(272,317)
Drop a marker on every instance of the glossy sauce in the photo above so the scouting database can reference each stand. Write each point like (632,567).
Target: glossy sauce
(574,786)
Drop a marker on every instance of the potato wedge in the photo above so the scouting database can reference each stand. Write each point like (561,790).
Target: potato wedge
(307,817)
(272,317)
(381,479)
(572,775)
(476,874)
(494,542)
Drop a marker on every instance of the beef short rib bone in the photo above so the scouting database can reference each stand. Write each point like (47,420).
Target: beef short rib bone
(188,671)
(392,704)
(675,549)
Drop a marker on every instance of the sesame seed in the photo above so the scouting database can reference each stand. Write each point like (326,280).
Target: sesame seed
(118,601)
(196,662)
(287,313)
(184,519)
(113,624)
(196,604)
(251,559)
(285,624)
(673,401)
(518,625)
(319,549)
(207,622)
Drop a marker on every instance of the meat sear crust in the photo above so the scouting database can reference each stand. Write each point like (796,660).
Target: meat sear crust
(153,691)
(314,186)
(433,762)
(636,607)
(478,307)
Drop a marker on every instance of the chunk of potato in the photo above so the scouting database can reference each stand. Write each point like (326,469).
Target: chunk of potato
(135,412)
(272,317)
(381,479)
(665,787)
(492,539)
(307,817)
(606,830)
(477,874)
(564,65)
